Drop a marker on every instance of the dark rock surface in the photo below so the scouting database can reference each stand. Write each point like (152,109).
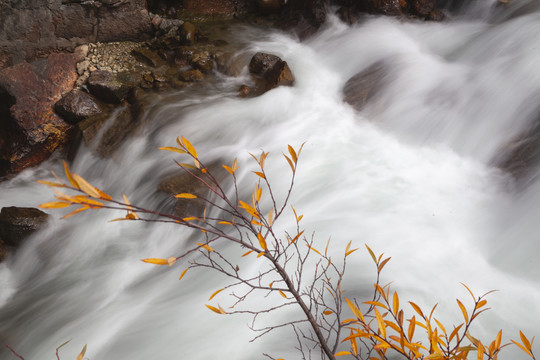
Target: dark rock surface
(31,29)
(31,130)
(112,88)
(364,86)
(272,70)
(17,223)
(78,105)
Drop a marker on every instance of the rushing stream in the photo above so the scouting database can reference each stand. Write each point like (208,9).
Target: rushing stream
(411,175)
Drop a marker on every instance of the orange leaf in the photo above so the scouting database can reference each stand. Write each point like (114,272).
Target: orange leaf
(259,174)
(372,254)
(183,273)
(81,355)
(380,322)
(247,253)
(173,149)
(293,154)
(271,217)
(262,241)
(50,183)
(70,177)
(189,147)
(328,312)
(85,186)
(395,303)
(463,310)
(417,309)
(185,196)
(206,247)
(76,211)
(215,293)
(355,310)
(282,294)
(525,341)
(290,162)
(341,353)
(216,310)
(156,261)
(171,260)
(55,204)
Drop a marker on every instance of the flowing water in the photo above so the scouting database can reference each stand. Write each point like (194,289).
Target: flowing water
(411,175)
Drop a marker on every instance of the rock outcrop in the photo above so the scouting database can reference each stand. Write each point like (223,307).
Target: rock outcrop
(31,130)
(16,224)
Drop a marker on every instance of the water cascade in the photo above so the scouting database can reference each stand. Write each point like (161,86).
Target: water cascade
(411,174)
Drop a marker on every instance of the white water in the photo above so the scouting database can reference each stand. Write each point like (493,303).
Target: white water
(410,176)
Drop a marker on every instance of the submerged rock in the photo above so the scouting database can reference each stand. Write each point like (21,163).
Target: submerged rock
(364,86)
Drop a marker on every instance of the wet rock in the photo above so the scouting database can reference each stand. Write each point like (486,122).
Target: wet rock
(188,33)
(261,63)
(166,24)
(112,88)
(31,130)
(202,61)
(362,87)
(422,8)
(148,57)
(17,223)
(305,16)
(191,75)
(279,75)
(274,71)
(521,156)
(77,105)
(134,24)
(244,91)
(105,133)
(3,250)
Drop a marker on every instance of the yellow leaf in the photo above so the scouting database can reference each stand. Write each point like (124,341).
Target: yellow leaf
(55,204)
(480,351)
(156,261)
(380,322)
(341,353)
(312,248)
(282,294)
(417,309)
(216,310)
(271,217)
(258,194)
(372,254)
(260,254)
(50,183)
(189,147)
(206,247)
(86,187)
(188,166)
(350,252)
(525,341)
(412,325)
(247,253)
(74,212)
(225,223)
(259,174)
(384,262)
(183,273)
(293,154)
(290,162)
(228,169)
(481,303)
(262,241)
(348,246)
(297,236)
(395,303)
(185,196)
(81,355)
(355,310)
(376,303)
(249,209)
(215,293)
(191,218)
(463,310)
(522,348)
(70,177)
(174,149)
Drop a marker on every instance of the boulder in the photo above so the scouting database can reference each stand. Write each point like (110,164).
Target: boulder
(185,183)
(17,223)
(148,57)
(31,130)
(422,8)
(272,70)
(112,88)
(305,16)
(521,156)
(77,105)
(362,87)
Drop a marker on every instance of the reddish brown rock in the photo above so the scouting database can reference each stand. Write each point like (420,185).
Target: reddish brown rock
(31,128)
(211,7)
